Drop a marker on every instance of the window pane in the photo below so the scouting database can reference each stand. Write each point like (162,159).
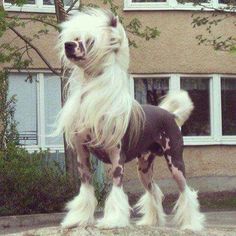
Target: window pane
(148,0)
(52,99)
(51,2)
(27,2)
(228,102)
(230,2)
(199,122)
(192,1)
(26,107)
(48,2)
(150,90)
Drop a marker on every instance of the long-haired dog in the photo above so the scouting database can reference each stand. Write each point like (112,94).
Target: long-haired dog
(101,117)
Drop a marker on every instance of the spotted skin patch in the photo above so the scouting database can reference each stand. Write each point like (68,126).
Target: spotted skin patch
(177,174)
(145,169)
(117,172)
(86,178)
(165,142)
(80,165)
(148,163)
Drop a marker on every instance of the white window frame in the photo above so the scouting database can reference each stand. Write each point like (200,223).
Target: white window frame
(169,5)
(38,7)
(216,137)
(41,144)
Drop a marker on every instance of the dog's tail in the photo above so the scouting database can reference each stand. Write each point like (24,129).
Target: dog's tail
(179,104)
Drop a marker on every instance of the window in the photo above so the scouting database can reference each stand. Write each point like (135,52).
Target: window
(198,123)
(28,1)
(26,107)
(148,0)
(214,96)
(46,6)
(225,2)
(149,91)
(228,106)
(172,4)
(38,102)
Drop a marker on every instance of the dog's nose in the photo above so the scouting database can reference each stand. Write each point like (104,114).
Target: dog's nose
(70,46)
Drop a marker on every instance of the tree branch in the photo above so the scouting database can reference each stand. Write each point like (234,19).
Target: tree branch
(27,51)
(230,11)
(36,50)
(71,6)
(36,19)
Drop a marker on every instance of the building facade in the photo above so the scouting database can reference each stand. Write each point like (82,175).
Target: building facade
(174,61)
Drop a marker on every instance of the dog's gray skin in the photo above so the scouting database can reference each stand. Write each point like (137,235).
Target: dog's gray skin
(160,136)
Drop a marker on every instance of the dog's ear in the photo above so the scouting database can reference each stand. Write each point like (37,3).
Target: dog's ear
(114,21)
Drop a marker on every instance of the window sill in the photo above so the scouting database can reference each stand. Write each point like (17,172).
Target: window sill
(128,6)
(204,141)
(52,148)
(30,8)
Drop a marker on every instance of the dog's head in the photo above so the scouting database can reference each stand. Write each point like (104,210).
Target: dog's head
(90,37)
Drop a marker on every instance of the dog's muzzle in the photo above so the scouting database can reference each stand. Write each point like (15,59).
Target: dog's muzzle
(75,50)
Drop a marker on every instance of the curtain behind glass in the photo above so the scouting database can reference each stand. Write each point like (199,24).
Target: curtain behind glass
(228,104)
(150,90)
(199,122)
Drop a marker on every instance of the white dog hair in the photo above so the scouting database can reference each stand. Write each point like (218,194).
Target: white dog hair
(110,91)
(81,208)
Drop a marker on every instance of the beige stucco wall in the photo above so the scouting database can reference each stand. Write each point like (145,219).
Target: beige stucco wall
(208,168)
(175,51)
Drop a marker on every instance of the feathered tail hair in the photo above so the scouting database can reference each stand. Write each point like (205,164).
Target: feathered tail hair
(180,104)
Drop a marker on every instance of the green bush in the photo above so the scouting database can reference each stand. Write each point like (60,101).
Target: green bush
(31,183)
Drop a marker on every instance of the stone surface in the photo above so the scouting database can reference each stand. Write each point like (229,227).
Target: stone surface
(218,224)
(132,230)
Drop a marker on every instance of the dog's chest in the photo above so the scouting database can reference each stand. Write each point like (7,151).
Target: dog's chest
(98,152)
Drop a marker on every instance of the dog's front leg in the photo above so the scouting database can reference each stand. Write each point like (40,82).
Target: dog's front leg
(117,209)
(82,207)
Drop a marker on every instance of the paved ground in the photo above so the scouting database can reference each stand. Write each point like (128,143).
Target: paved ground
(218,224)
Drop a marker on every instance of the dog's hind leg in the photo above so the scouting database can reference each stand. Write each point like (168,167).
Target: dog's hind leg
(117,209)
(187,212)
(82,207)
(150,204)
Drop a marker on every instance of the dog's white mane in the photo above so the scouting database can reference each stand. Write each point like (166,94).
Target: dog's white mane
(99,97)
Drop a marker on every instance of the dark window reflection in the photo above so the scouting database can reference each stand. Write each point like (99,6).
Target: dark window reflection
(28,1)
(150,90)
(230,2)
(228,103)
(48,2)
(51,2)
(148,0)
(199,122)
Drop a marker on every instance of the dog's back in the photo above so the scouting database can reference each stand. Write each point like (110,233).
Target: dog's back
(157,120)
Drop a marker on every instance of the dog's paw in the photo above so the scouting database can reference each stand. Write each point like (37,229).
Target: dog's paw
(75,219)
(108,223)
